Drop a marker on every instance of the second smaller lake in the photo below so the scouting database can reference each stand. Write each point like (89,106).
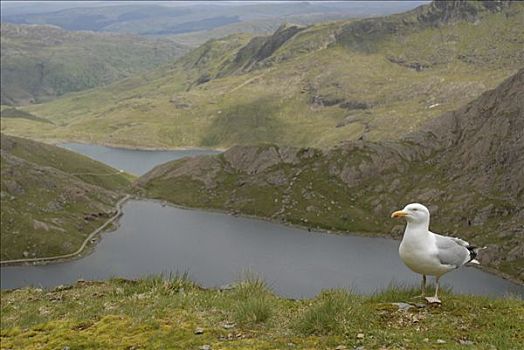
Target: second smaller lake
(136,162)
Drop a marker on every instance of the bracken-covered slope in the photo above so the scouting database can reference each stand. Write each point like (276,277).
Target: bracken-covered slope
(467,166)
(52,198)
(41,62)
(315,86)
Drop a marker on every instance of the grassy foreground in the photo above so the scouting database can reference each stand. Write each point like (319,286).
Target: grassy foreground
(176,314)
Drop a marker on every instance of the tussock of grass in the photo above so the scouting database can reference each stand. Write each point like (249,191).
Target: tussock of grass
(255,309)
(251,285)
(328,315)
(254,304)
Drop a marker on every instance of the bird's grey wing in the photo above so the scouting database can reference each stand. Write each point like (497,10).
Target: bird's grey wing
(458,240)
(452,251)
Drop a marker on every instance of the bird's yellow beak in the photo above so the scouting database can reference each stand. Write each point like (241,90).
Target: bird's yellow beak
(399,214)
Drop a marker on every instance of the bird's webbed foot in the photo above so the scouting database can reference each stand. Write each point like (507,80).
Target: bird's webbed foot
(433,300)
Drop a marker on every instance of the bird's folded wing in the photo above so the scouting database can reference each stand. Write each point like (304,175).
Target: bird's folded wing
(451,251)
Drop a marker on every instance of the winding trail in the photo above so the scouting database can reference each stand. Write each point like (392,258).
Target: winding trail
(82,247)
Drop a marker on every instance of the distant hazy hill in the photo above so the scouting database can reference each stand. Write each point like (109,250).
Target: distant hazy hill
(205,20)
(467,165)
(374,79)
(42,62)
(52,198)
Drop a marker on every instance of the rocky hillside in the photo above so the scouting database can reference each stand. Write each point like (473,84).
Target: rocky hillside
(52,198)
(315,86)
(467,166)
(41,62)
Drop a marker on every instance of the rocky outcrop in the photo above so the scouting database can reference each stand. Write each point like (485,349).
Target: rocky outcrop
(261,48)
(483,142)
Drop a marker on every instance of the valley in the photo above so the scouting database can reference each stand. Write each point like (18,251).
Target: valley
(301,86)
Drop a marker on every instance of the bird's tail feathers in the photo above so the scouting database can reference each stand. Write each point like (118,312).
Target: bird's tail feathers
(473,252)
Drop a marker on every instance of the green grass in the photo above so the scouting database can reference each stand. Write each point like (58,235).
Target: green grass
(156,313)
(273,100)
(327,315)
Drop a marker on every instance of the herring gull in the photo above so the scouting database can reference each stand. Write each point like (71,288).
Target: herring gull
(428,253)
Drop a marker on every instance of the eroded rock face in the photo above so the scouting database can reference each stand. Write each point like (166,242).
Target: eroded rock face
(203,168)
(252,159)
(482,144)
(261,48)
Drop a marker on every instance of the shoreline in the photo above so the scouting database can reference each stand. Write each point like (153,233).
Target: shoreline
(80,253)
(483,268)
(57,142)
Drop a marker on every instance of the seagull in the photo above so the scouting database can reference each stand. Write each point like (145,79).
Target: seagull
(428,253)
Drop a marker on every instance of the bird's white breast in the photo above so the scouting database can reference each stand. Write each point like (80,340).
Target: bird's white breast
(419,252)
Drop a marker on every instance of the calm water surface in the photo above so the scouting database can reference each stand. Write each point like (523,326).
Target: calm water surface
(215,249)
(137,162)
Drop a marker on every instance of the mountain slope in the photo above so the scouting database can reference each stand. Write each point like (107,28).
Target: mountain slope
(42,62)
(301,86)
(467,165)
(52,198)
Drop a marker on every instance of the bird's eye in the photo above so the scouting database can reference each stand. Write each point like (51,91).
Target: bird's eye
(414,209)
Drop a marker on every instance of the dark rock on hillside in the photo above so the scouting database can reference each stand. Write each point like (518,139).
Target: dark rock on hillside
(261,48)
(418,66)
(354,105)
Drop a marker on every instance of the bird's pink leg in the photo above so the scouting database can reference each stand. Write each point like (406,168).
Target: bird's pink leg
(435,299)
(423,288)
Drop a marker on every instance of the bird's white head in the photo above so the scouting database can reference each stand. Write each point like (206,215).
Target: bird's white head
(414,213)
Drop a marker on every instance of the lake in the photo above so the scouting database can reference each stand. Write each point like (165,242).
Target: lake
(136,162)
(217,249)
